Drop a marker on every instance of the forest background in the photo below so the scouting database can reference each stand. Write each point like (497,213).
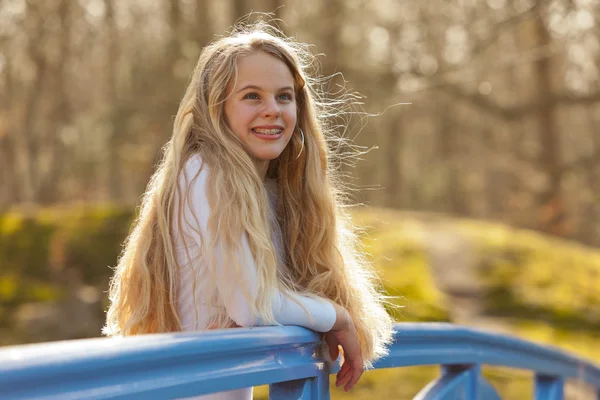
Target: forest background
(481,176)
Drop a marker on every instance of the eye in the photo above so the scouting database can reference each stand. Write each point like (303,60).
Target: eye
(251,96)
(286,96)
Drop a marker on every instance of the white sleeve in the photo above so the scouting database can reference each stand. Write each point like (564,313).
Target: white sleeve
(320,315)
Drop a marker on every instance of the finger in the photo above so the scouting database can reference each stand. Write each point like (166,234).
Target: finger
(342,373)
(344,376)
(344,380)
(353,379)
(349,385)
(357,373)
(344,370)
(350,377)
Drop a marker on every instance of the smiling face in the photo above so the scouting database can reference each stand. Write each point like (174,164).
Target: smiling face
(261,106)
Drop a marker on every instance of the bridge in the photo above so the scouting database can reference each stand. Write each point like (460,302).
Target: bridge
(289,359)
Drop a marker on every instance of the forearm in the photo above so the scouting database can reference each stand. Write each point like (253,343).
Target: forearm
(342,318)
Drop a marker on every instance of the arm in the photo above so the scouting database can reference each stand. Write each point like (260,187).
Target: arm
(287,308)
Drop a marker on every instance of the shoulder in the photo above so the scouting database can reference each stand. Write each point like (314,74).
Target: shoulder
(192,178)
(192,185)
(193,165)
(193,170)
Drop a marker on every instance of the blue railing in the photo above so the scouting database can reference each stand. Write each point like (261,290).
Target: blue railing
(287,358)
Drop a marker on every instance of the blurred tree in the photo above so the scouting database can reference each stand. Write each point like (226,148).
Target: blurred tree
(8,150)
(502,122)
(552,212)
(240,8)
(275,7)
(36,43)
(50,176)
(114,119)
(202,24)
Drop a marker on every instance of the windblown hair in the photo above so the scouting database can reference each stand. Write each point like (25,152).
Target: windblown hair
(322,253)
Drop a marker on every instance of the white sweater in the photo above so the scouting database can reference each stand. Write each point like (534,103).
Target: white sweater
(195,309)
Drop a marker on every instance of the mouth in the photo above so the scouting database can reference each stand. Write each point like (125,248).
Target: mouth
(267,133)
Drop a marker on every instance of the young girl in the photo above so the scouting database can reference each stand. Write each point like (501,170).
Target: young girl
(242,224)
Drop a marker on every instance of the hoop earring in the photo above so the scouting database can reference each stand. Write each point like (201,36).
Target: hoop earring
(302,148)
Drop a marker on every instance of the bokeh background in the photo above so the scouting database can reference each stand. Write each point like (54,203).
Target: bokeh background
(481,191)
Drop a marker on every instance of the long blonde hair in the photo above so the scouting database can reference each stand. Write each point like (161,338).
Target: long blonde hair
(322,256)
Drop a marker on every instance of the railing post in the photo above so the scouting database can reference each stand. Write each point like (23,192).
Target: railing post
(471,372)
(310,388)
(457,382)
(315,388)
(549,387)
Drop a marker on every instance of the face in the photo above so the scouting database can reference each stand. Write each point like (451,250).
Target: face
(261,106)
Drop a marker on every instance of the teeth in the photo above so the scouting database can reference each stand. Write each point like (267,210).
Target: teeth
(267,131)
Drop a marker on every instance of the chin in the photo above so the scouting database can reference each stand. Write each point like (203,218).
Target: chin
(266,155)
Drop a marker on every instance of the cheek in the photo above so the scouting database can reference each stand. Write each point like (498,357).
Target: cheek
(291,115)
(230,115)
(240,117)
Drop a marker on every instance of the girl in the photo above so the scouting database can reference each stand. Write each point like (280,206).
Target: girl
(242,224)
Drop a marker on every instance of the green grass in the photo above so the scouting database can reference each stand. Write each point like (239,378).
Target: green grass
(538,288)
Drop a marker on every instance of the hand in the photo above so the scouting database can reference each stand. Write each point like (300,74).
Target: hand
(344,334)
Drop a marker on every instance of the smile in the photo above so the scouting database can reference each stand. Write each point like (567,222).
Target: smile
(262,131)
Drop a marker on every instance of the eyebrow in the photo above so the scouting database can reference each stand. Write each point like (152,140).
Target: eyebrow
(259,88)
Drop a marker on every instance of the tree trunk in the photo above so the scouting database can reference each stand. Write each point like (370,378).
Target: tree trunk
(333,14)
(275,7)
(393,152)
(453,199)
(175,25)
(35,49)
(203,26)
(8,178)
(114,167)
(49,185)
(590,231)
(552,210)
(239,9)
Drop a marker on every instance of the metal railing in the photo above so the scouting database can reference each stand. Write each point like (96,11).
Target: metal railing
(287,358)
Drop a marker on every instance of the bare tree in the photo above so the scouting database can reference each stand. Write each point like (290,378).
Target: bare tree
(496,128)
(240,8)
(38,39)
(115,122)
(552,209)
(202,26)
(48,191)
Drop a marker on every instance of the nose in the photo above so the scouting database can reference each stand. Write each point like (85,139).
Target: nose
(271,109)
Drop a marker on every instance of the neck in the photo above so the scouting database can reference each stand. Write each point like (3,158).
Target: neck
(262,166)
